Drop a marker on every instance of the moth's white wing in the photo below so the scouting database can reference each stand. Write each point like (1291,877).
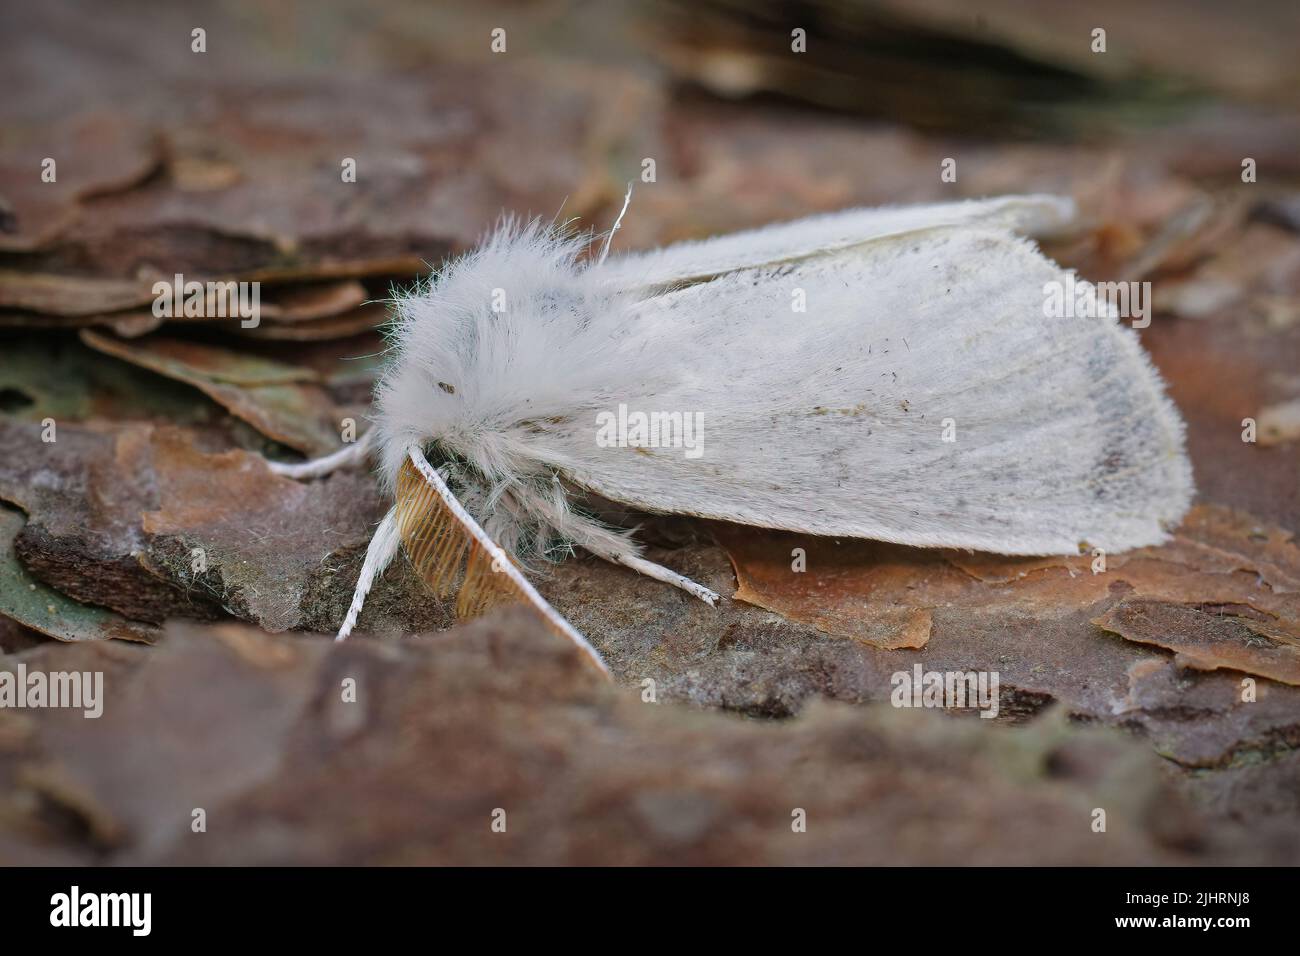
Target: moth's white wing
(832,421)
(1034,215)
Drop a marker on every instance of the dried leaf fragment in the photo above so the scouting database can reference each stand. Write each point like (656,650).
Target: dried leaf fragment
(1209,641)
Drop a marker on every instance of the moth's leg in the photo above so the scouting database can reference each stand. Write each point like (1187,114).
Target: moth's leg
(383,547)
(660,573)
(617,547)
(352,454)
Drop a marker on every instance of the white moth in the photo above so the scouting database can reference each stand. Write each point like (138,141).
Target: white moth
(921,396)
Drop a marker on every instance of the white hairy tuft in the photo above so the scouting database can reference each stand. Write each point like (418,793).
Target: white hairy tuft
(480,389)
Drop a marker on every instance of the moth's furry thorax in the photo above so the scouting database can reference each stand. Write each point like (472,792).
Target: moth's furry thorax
(490,353)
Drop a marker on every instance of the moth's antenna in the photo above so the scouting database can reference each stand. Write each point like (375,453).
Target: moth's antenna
(617,222)
(441,537)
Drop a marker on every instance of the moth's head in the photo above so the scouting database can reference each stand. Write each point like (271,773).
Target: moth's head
(480,348)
